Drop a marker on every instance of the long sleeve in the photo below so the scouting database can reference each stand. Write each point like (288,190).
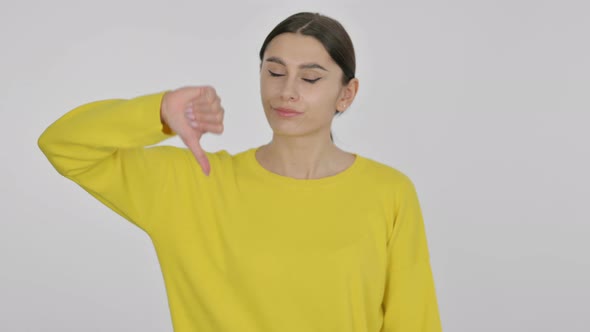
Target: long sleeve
(102,147)
(409,303)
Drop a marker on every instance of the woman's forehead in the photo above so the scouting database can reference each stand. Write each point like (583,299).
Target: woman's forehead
(290,49)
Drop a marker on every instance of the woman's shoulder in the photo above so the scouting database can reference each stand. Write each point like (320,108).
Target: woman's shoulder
(382,172)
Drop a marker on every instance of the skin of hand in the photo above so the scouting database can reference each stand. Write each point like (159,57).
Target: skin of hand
(190,112)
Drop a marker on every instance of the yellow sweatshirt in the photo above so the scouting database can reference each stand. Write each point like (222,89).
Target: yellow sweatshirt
(249,250)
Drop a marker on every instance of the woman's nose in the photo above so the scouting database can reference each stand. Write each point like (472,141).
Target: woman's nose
(289,90)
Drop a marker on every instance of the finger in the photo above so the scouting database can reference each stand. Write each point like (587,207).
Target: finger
(196,126)
(208,122)
(191,118)
(215,128)
(209,117)
(191,92)
(210,94)
(189,113)
(208,99)
(207,106)
(206,127)
(195,147)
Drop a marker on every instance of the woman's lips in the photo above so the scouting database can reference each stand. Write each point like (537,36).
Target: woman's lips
(286,112)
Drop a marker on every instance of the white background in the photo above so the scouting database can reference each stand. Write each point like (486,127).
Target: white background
(484,104)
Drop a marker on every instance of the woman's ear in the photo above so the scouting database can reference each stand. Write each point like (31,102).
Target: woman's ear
(347,95)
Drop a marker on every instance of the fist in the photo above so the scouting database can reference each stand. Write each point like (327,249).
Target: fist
(191,112)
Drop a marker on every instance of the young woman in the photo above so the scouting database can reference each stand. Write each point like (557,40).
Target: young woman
(295,235)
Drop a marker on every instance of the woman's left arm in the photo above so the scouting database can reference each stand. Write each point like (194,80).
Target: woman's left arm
(409,302)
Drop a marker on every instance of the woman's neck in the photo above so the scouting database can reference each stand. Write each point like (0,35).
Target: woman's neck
(303,157)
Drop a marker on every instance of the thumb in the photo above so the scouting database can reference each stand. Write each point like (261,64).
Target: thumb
(195,146)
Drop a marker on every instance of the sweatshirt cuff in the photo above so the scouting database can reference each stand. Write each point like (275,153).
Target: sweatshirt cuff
(153,102)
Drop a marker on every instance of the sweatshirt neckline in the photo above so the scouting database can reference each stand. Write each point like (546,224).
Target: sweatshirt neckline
(269,176)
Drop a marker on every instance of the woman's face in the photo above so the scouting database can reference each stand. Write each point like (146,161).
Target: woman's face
(298,74)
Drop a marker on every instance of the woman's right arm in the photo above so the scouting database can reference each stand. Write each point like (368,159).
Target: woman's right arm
(102,147)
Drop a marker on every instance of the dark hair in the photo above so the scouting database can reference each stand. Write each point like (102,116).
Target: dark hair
(327,31)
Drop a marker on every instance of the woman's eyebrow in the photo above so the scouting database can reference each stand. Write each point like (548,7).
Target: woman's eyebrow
(302,66)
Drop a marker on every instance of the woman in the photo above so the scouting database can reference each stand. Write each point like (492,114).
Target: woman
(295,235)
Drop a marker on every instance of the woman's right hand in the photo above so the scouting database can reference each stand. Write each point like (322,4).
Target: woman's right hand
(190,112)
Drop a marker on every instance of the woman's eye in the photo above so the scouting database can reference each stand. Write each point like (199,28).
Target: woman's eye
(311,81)
(305,79)
(274,74)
